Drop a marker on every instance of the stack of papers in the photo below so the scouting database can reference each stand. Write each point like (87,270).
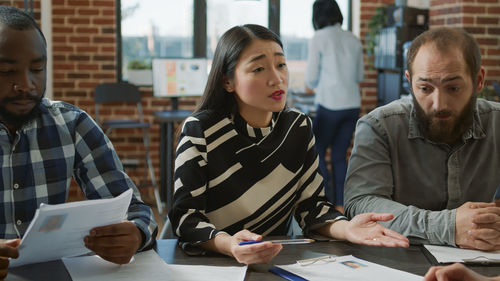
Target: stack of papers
(147,266)
(345,268)
(445,254)
(57,231)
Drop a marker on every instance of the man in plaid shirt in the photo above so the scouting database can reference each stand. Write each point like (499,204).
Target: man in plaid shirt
(44,143)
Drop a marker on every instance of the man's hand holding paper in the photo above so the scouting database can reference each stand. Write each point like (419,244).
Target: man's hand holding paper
(8,249)
(477,226)
(116,243)
(70,223)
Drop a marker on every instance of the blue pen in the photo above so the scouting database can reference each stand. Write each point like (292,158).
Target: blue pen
(250,242)
(283,241)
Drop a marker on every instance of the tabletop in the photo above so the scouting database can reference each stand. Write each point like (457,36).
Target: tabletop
(411,260)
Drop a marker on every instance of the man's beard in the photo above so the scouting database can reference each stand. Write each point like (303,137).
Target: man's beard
(18,120)
(445,131)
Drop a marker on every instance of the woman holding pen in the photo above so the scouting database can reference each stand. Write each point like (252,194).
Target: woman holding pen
(246,163)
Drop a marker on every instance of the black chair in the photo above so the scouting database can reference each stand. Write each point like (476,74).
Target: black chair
(128,93)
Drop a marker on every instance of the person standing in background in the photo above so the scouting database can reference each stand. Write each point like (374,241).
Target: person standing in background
(334,69)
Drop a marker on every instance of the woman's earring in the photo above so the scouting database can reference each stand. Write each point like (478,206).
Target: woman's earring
(228,86)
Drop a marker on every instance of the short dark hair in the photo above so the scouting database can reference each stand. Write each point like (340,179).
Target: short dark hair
(445,38)
(18,19)
(325,13)
(226,56)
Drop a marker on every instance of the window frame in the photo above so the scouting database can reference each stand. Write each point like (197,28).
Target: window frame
(200,29)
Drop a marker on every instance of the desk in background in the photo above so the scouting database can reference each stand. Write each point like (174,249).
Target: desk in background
(411,260)
(167,120)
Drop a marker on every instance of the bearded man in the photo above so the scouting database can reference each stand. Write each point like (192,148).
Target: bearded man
(433,159)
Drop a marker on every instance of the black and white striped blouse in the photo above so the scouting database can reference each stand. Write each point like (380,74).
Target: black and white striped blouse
(230,176)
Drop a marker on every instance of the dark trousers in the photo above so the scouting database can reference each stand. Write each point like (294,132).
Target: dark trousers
(333,129)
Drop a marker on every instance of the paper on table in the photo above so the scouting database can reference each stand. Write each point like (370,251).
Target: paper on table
(180,272)
(147,266)
(57,231)
(445,254)
(348,268)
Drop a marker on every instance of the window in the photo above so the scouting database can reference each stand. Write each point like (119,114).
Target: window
(166,29)
(224,14)
(345,8)
(296,29)
(154,29)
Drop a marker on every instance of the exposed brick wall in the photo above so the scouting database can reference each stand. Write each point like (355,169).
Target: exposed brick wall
(84,52)
(84,56)
(369,85)
(20,4)
(84,40)
(481,18)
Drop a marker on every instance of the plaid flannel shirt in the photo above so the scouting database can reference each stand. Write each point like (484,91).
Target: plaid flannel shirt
(37,164)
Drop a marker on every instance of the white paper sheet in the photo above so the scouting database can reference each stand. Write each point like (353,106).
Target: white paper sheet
(445,254)
(206,273)
(348,268)
(57,231)
(147,266)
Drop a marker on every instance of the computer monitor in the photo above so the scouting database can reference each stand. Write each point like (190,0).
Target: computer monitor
(179,77)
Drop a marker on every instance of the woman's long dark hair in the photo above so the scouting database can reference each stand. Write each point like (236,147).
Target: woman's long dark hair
(226,56)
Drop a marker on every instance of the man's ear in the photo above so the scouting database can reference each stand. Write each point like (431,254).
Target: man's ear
(228,84)
(407,75)
(480,79)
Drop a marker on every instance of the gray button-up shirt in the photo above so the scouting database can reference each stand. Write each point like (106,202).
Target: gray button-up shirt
(394,168)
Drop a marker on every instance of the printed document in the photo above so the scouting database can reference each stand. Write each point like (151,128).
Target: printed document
(57,231)
(147,266)
(347,268)
(445,254)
